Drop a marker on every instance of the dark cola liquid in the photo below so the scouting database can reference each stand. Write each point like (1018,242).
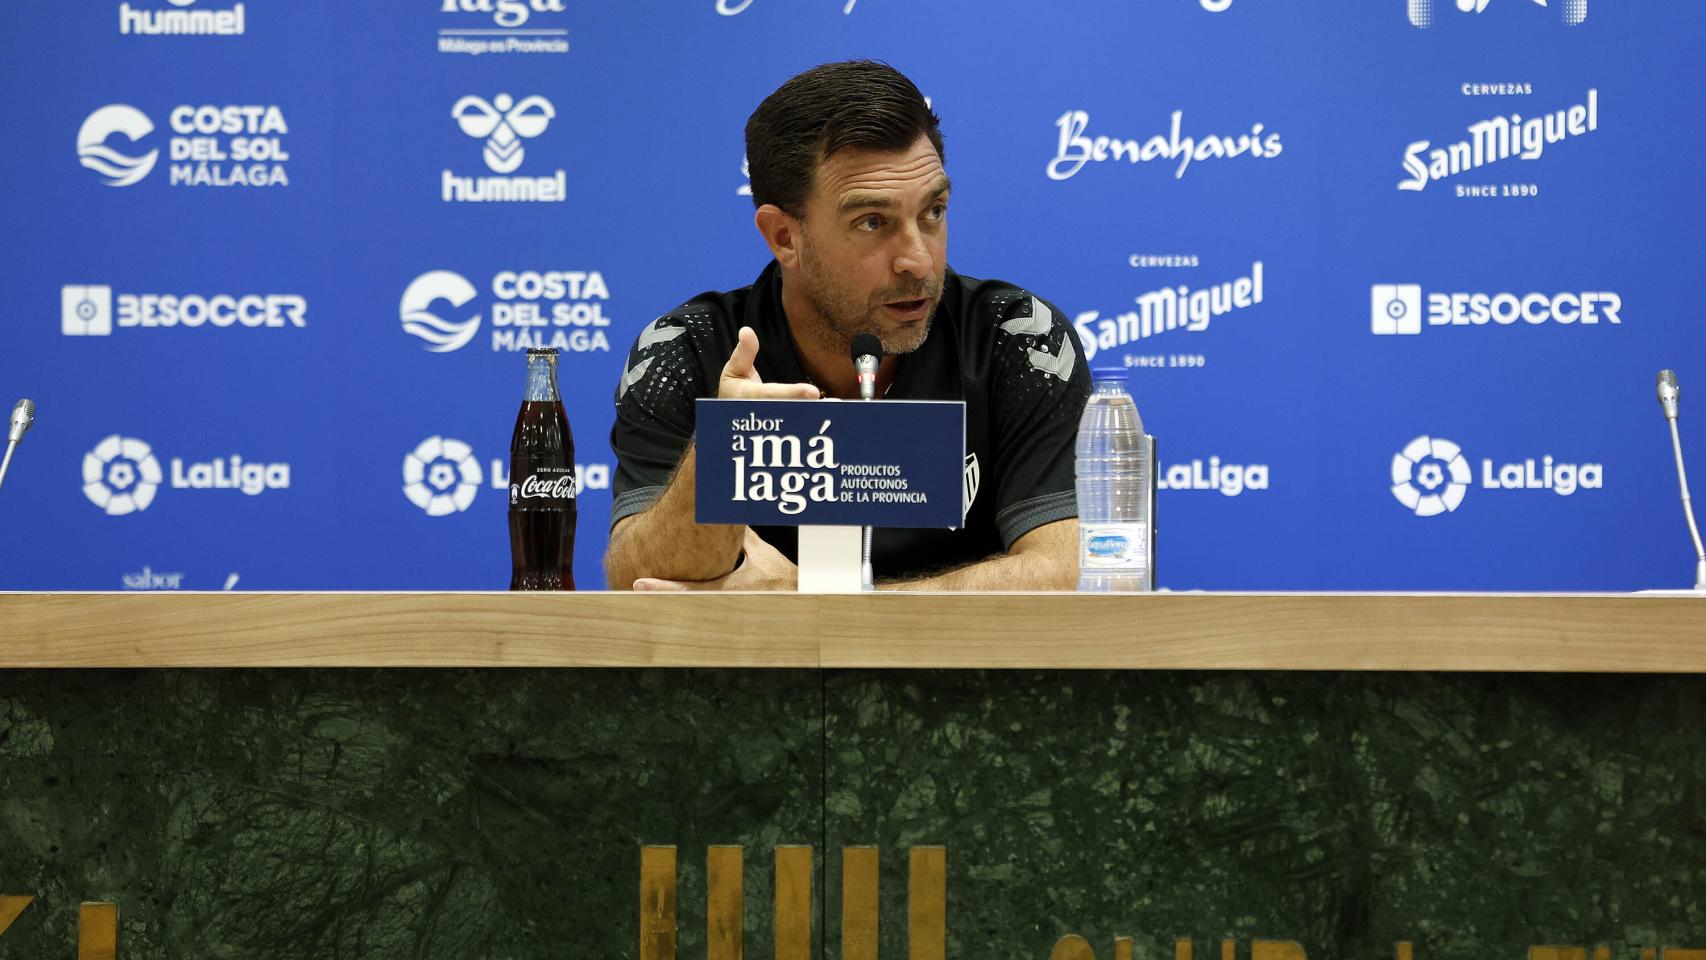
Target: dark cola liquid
(542,499)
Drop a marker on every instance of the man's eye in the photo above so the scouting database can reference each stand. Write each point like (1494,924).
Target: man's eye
(938,212)
(869,224)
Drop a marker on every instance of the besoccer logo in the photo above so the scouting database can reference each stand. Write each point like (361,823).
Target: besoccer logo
(86,310)
(503,124)
(441,476)
(1430,476)
(116,169)
(1571,12)
(441,335)
(1396,308)
(120,475)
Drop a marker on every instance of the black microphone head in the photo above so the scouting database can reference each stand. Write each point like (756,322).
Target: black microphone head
(867,345)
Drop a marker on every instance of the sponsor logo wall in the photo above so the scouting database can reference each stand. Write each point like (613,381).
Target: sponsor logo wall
(1390,280)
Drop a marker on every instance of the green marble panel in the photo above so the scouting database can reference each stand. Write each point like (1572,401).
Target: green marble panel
(371,815)
(499,814)
(1471,815)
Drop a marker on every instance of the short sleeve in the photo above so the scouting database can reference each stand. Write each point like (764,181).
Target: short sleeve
(1040,383)
(654,414)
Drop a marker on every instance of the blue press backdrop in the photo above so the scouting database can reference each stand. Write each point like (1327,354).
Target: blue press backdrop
(1290,411)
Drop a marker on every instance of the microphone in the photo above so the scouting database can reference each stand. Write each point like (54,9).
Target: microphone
(23,415)
(867,353)
(1668,394)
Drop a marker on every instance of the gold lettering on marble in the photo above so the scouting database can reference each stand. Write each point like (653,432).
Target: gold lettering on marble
(859,906)
(1276,950)
(657,903)
(927,904)
(10,907)
(97,931)
(794,903)
(725,907)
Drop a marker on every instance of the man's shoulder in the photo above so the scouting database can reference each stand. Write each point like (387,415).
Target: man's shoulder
(703,325)
(990,309)
(1002,323)
(711,317)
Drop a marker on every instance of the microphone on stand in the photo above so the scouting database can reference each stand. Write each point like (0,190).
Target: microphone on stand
(1668,394)
(23,415)
(867,353)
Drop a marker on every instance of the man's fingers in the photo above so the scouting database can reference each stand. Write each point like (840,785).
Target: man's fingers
(740,379)
(746,351)
(778,391)
(652,583)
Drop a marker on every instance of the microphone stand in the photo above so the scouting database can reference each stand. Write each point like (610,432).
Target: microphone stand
(1688,508)
(7,462)
(867,391)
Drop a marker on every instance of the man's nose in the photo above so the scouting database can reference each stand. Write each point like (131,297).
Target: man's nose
(913,254)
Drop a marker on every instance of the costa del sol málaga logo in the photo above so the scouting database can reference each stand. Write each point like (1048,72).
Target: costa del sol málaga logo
(116,169)
(441,476)
(121,475)
(1430,476)
(441,335)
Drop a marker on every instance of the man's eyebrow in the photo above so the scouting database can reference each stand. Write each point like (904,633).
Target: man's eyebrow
(879,201)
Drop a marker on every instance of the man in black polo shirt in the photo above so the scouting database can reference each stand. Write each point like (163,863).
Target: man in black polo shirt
(846,168)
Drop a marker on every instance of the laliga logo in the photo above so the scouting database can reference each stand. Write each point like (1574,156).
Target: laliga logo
(1419,471)
(117,169)
(1572,12)
(441,476)
(1430,476)
(441,336)
(503,124)
(120,475)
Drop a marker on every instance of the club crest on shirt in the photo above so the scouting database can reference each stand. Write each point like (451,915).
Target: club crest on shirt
(973,476)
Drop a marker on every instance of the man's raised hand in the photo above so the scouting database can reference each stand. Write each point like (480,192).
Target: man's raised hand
(740,379)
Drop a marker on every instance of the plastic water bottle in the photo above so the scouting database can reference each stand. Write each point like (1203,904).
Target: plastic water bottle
(1113,485)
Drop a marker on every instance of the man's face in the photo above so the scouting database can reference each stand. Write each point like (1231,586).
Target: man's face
(874,245)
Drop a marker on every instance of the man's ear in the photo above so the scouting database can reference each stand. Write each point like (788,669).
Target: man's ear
(781,232)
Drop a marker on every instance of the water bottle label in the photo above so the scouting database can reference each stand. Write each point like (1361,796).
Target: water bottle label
(1114,546)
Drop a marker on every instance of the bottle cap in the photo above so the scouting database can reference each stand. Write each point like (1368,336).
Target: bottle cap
(542,352)
(1099,374)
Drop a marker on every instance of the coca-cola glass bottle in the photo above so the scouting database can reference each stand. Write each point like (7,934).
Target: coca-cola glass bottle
(542,484)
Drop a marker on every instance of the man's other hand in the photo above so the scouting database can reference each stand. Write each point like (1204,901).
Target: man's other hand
(740,379)
(763,569)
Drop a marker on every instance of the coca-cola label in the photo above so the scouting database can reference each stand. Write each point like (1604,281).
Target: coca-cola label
(546,484)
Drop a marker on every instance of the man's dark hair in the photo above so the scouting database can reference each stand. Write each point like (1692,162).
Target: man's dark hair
(863,104)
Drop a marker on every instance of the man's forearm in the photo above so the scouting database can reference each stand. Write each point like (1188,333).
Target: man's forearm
(996,573)
(1044,559)
(664,541)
